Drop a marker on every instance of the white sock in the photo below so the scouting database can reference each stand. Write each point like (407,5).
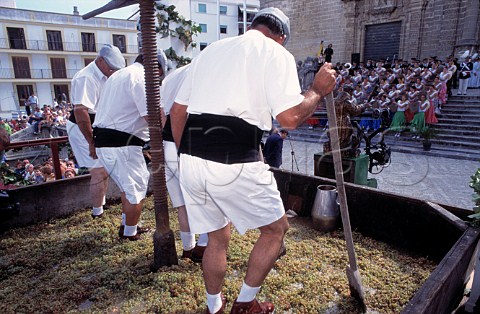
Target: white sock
(203,239)
(214,302)
(247,293)
(130,231)
(104,200)
(188,240)
(97,211)
(124,218)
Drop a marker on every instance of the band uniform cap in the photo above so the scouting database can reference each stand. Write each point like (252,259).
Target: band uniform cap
(278,15)
(112,56)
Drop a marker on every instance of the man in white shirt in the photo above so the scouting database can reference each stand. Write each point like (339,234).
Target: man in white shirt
(86,87)
(222,177)
(120,132)
(32,102)
(169,89)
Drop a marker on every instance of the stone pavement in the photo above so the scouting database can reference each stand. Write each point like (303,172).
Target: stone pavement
(436,179)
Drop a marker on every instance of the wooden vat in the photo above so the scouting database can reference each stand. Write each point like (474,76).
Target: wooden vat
(436,231)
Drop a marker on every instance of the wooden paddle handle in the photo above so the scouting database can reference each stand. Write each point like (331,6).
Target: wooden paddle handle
(337,162)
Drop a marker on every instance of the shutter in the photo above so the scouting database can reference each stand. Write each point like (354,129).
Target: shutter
(382,41)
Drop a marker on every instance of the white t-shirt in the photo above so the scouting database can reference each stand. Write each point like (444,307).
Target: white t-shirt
(86,86)
(122,104)
(249,76)
(170,87)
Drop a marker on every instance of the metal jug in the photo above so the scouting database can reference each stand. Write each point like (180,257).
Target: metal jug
(325,211)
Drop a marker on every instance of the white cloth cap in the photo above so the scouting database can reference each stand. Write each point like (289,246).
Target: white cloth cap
(278,15)
(112,56)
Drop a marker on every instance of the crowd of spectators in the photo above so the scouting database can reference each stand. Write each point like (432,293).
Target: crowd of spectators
(44,172)
(45,116)
(48,116)
(412,92)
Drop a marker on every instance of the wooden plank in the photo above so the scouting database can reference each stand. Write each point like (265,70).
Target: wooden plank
(443,289)
(462,225)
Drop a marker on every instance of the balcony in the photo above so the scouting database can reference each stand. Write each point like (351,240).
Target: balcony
(45,45)
(37,74)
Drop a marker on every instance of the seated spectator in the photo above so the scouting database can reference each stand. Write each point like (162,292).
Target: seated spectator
(69,173)
(38,176)
(35,119)
(19,167)
(47,118)
(29,173)
(47,173)
(71,165)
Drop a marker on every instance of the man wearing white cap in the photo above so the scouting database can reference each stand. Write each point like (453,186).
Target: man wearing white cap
(86,87)
(170,87)
(222,177)
(120,132)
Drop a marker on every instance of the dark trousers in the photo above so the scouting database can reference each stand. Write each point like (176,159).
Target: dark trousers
(27,108)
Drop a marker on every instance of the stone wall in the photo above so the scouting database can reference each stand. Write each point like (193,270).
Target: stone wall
(429,27)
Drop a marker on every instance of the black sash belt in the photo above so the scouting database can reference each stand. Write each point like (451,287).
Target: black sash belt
(222,139)
(104,137)
(74,120)
(167,134)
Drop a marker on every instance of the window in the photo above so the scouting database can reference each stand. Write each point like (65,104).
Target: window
(223,9)
(223,29)
(203,28)
(203,46)
(21,67)
(88,42)
(23,92)
(88,61)
(58,68)
(16,37)
(202,8)
(54,40)
(119,41)
(59,90)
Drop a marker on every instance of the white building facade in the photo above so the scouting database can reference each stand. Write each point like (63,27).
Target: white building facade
(40,52)
(221,19)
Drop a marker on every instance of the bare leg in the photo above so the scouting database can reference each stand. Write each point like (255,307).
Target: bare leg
(215,259)
(98,185)
(132,211)
(265,251)
(183,219)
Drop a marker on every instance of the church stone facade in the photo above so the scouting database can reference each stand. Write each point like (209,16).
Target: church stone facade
(381,29)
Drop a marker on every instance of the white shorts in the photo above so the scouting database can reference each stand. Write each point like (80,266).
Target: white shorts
(127,167)
(215,194)
(171,174)
(80,147)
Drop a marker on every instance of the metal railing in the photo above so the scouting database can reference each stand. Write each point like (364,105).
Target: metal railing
(46,45)
(52,142)
(10,73)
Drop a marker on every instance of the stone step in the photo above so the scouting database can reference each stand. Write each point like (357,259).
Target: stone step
(416,147)
(459,116)
(454,137)
(473,107)
(406,139)
(458,125)
(473,122)
(457,133)
(475,112)
(439,152)
(455,98)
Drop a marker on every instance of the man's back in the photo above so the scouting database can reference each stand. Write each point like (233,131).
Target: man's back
(250,76)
